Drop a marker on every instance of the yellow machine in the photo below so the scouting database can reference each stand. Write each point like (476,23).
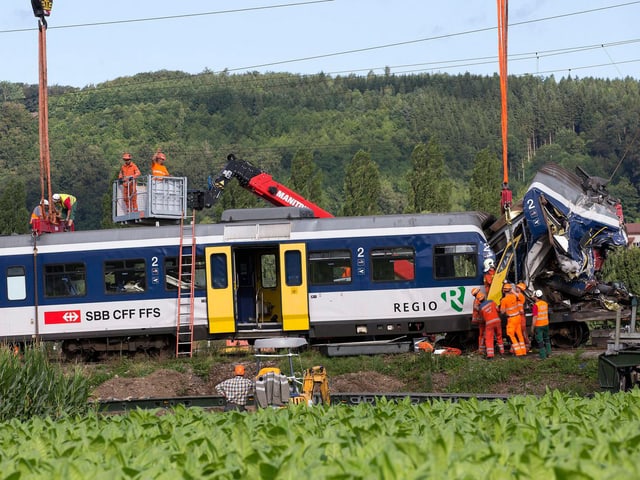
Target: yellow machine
(315,386)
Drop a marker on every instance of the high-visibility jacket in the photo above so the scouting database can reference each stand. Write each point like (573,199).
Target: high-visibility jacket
(158,170)
(489,312)
(67,201)
(129,170)
(509,305)
(541,313)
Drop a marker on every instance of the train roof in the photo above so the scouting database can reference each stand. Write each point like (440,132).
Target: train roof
(469,221)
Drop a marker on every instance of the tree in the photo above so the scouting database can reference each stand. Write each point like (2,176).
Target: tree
(428,187)
(361,186)
(15,217)
(485,183)
(623,265)
(306,179)
(628,195)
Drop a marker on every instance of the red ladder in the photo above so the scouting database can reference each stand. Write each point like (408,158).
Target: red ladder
(186,286)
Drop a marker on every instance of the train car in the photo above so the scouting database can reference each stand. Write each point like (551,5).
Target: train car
(263,272)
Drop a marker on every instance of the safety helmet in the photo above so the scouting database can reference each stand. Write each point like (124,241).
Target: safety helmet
(506,287)
(160,156)
(522,286)
(126,156)
(538,293)
(475,291)
(480,296)
(46,202)
(239,370)
(488,264)
(56,197)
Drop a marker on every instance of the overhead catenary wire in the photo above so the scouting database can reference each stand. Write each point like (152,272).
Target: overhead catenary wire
(446,64)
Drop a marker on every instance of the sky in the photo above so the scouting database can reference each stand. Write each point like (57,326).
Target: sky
(93,42)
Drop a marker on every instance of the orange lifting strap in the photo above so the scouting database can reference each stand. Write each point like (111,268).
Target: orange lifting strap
(503,14)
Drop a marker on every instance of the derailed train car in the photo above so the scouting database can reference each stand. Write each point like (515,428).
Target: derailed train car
(556,240)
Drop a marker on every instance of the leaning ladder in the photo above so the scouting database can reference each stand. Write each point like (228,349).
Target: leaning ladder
(186,286)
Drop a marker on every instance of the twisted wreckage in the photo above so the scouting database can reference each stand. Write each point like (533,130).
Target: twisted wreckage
(556,240)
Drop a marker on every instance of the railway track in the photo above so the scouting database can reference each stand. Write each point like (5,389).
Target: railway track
(347,399)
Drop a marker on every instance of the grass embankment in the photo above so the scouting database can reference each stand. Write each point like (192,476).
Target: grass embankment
(567,372)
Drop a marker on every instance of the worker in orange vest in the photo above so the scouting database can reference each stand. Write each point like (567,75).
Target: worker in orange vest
(540,325)
(509,308)
(476,319)
(129,171)
(157,165)
(493,324)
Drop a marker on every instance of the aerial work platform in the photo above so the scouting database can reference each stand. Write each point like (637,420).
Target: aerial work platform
(149,199)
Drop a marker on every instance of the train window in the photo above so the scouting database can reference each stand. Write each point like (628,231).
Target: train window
(65,280)
(293,268)
(171,273)
(455,261)
(328,267)
(16,283)
(219,273)
(125,276)
(393,264)
(268,273)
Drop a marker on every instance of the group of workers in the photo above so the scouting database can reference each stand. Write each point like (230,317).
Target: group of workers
(64,210)
(65,205)
(130,171)
(487,315)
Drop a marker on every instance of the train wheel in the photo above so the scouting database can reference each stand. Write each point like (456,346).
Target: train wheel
(569,334)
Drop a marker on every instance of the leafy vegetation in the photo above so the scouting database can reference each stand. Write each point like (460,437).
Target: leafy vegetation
(269,118)
(32,386)
(554,436)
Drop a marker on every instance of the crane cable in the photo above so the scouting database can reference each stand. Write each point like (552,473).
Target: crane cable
(503,14)
(45,158)
(506,196)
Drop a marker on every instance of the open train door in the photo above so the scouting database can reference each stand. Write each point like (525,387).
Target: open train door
(220,290)
(295,298)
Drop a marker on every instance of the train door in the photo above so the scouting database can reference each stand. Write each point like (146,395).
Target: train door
(257,288)
(295,300)
(220,290)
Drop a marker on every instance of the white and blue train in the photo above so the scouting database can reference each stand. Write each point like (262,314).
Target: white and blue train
(258,273)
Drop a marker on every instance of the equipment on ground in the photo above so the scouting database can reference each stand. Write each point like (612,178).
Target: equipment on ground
(311,389)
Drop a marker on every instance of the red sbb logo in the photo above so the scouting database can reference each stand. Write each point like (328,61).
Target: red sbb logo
(65,316)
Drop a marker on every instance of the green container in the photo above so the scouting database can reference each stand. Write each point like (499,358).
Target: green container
(619,371)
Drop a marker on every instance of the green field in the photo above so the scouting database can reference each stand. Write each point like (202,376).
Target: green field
(554,436)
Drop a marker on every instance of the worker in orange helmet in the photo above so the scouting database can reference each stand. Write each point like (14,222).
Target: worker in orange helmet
(129,171)
(493,324)
(236,390)
(476,319)
(158,168)
(509,308)
(489,272)
(521,288)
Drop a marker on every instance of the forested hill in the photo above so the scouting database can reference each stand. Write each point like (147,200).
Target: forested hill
(380,143)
